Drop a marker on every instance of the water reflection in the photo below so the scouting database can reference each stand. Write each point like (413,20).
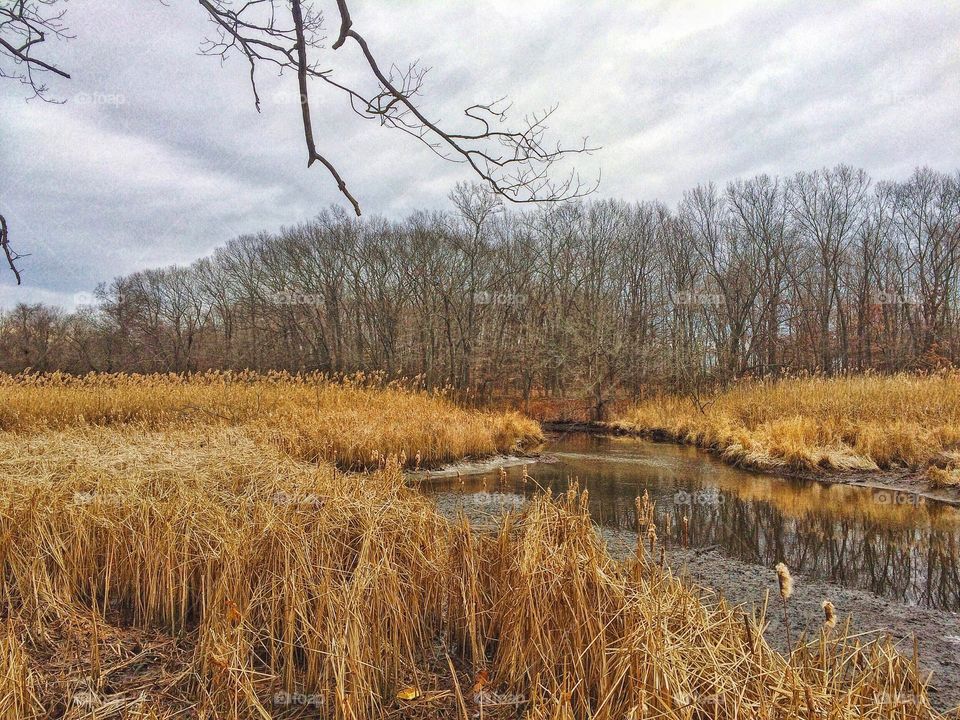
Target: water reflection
(894,544)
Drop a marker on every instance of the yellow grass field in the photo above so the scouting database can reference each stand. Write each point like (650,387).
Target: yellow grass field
(352,423)
(862,423)
(179,548)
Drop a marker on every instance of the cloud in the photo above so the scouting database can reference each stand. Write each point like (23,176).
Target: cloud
(159,155)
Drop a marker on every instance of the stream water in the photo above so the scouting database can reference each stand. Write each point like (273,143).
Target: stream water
(895,544)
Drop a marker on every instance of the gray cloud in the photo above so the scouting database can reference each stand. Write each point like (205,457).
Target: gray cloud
(158,156)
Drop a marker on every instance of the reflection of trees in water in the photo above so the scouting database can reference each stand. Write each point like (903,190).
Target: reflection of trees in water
(911,556)
(909,564)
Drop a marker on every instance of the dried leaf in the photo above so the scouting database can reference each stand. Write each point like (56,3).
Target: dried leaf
(483,679)
(408,693)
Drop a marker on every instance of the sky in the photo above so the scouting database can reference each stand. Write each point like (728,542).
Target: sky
(158,154)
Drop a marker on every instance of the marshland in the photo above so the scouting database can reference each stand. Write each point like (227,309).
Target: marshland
(235,545)
(479,361)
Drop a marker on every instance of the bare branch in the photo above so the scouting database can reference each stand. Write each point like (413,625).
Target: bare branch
(24,26)
(516,163)
(12,256)
(305,106)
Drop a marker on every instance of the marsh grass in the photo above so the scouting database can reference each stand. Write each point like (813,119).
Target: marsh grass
(856,423)
(354,422)
(189,567)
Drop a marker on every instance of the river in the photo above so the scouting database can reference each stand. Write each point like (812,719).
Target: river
(897,545)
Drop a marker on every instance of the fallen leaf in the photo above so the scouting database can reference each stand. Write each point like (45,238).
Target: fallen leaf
(483,679)
(408,693)
(233,613)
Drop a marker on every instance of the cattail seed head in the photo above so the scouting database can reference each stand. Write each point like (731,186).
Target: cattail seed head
(829,614)
(785,580)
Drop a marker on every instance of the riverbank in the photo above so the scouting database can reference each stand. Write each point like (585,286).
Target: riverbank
(897,432)
(751,586)
(744,584)
(849,423)
(909,482)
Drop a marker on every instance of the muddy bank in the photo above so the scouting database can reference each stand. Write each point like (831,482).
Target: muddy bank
(937,631)
(471,467)
(746,584)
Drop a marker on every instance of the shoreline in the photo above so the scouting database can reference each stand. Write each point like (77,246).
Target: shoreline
(905,481)
(746,585)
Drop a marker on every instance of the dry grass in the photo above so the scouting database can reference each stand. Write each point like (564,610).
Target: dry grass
(351,422)
(863,423)
(193,569)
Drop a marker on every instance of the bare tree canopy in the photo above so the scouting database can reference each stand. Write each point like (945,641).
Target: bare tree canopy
(583,303)
(25,25)
(518,162)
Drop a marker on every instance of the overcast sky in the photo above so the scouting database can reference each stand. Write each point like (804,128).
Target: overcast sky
(158,155)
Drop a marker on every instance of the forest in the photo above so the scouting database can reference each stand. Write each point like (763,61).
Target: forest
(588,302)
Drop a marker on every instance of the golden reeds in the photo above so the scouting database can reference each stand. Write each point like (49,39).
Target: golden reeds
(354,422)
(863,422)
(191,567)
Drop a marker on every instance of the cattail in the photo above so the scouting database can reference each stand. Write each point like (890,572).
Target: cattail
(503,475)
(686,531)
(652,537)
(786,590)
(829,614)
(811,706)
(785,580)
(418,458)
(525,475)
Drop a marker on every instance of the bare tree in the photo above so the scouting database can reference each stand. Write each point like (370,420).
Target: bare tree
(25,25)
(517,163)
(566,309)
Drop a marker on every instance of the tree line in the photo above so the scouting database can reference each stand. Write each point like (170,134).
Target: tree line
(823,271)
